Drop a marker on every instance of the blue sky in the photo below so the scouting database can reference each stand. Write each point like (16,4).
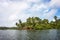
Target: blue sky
(13,10)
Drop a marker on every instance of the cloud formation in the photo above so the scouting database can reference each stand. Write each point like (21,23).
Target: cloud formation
(13,10)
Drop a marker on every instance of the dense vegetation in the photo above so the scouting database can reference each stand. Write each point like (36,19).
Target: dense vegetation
(36,23)
(6,28)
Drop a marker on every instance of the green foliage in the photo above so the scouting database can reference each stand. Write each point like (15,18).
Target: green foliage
(55,17)
(38,24)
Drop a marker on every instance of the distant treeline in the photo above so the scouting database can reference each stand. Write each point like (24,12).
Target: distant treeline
(36,23)
(5,28)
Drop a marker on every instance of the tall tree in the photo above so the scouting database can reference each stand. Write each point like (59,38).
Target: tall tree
(45,21)
(55,17)
(19,25)
(37,19)
(20,21)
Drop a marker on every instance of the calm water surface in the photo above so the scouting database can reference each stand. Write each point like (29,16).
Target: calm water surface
(30,35)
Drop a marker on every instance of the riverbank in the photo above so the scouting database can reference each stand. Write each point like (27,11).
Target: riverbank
(15,28)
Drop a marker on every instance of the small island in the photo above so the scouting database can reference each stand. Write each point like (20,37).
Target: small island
(35,23)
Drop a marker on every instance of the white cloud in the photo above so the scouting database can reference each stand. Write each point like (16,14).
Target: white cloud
(12,17)
(10,11)
(50,13)
(13,11)
(39,7)
(32,0)
(54,3)
(19,6)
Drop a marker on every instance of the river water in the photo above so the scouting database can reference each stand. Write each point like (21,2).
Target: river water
(30,35)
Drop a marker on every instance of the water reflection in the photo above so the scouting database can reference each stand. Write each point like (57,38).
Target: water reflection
(42,35)
(21,35)
(29,35)
(58,35)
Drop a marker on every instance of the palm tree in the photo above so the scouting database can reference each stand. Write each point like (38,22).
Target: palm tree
(16,23)
(19,25)
(55,17)
(20,21)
